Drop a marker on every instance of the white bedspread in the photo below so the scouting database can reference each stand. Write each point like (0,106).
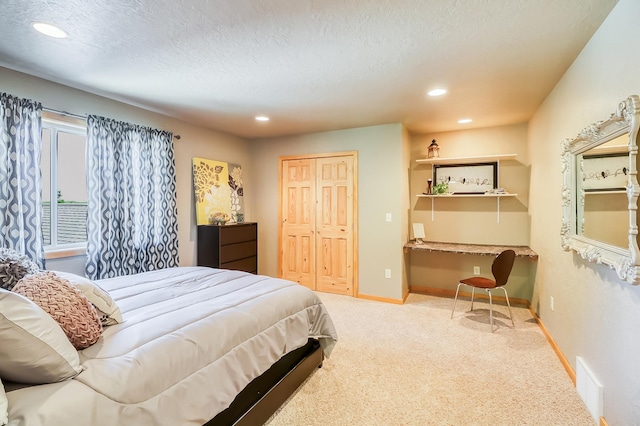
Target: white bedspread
(191,339)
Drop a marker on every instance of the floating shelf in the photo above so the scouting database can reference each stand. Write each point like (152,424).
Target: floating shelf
(619,191)
(466,160)
(496,196)
(468,195)
(608,149)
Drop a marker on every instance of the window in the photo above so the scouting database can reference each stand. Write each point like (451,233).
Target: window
(64,187)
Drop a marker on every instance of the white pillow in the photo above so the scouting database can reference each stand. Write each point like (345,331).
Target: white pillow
(4,406)
(34,348)
(107,308)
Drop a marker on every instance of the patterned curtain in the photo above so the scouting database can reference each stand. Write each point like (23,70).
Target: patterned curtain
(132,223)
(20,178)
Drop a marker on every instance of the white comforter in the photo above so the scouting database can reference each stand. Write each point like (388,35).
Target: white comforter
(191,339)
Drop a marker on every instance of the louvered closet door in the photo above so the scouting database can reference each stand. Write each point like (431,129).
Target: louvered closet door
(298,221)
(334,225)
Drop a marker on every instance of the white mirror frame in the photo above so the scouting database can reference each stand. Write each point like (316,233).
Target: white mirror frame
(625,120)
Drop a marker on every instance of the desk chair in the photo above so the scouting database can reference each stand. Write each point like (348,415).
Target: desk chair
(501,268)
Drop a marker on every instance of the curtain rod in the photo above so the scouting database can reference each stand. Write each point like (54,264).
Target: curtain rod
(81,117)
(68,114)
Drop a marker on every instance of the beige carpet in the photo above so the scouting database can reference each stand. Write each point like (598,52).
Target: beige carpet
(413,365)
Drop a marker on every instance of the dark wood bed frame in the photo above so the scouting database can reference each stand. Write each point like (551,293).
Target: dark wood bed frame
(257,402)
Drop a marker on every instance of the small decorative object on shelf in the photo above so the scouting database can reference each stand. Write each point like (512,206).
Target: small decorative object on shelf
(496,191)
(433,150)
(429,183)
(218,218)
(441,188)
(418,233)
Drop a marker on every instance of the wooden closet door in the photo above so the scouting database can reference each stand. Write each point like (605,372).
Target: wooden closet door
(334,225)
(298,221)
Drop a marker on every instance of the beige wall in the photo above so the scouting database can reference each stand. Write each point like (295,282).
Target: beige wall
(472,220)
(596,315)
(195,142)
(606,218)
(464,220)
(406,198)
(382,186)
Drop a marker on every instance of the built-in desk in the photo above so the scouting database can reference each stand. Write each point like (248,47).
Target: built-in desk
(481,249)
(435,268)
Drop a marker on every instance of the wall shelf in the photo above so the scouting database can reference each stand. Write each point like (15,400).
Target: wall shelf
(609,149)
(617,191)
(496,196)
(466,160)
(468,195)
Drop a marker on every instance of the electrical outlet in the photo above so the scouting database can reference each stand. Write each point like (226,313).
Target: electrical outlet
(476,270)
(551,303)
(387,273)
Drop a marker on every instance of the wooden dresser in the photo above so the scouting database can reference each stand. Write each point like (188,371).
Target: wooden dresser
(232,246)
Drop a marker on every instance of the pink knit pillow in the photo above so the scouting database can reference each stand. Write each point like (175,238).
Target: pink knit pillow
(77,317)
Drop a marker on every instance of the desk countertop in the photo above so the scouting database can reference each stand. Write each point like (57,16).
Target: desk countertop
(481,249)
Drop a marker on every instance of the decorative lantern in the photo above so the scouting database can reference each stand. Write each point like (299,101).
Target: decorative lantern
(434,150)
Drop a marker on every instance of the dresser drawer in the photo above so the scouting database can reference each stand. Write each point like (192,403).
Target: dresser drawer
(231,234)
(249,264)
(231,252)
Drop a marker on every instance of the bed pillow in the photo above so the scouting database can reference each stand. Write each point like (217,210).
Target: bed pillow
(13,267)
(4,406)
(107,308)
(34,348)
(66,304)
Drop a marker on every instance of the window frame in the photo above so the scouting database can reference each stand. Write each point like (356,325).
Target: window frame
(56,123)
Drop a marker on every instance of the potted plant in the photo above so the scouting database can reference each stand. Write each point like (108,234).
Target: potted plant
(440,188)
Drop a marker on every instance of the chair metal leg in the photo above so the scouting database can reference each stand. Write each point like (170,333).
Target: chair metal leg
(490,309)
(509,305)
(455,300)
(473,291)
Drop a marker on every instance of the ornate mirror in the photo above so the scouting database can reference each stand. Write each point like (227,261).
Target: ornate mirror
(600,192)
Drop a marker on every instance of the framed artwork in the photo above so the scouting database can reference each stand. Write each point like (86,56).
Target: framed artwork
(606,172)
(475,178)
(218,191)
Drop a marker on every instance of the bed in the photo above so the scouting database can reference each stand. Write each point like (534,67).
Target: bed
(195,346)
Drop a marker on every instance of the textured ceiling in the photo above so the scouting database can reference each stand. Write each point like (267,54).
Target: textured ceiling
(311,65)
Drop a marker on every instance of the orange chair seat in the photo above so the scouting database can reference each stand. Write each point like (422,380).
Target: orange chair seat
(479,282)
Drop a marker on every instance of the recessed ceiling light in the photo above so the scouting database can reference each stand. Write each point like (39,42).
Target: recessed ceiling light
(262,118)
(49,30)
(465,120)
(437,92)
